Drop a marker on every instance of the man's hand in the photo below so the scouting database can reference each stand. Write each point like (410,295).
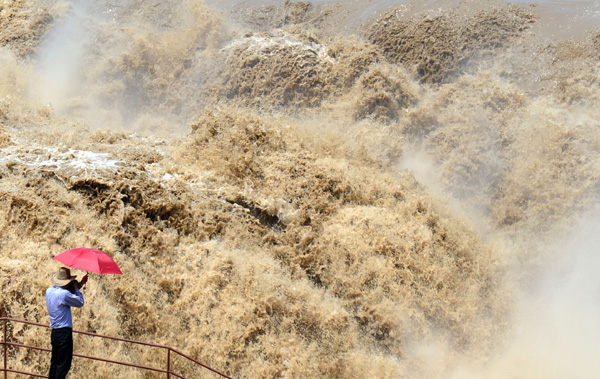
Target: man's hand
(83,281)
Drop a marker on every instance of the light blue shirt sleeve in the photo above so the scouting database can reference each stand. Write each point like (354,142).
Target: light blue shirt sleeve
(74,299)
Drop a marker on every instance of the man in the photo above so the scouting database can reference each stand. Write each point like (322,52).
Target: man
(59,299)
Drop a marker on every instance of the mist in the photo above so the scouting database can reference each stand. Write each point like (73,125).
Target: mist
(60,58)
(554,328)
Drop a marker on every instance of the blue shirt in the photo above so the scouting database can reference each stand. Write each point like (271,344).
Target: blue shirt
(59,301)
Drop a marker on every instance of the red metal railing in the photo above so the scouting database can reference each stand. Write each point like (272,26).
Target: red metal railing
(5,344)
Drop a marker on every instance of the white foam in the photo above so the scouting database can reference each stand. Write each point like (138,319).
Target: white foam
(264,43)
(49,157)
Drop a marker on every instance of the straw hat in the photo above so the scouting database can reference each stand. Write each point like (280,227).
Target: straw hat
(63,277)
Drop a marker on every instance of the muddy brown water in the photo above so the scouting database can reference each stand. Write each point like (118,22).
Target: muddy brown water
(308,189)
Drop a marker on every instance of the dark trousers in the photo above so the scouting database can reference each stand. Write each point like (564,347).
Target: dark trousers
(62,353)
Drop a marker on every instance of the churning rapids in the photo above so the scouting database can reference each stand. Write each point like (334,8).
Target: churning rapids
(295,189)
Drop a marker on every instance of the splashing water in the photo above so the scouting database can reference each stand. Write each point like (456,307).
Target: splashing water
(309,189)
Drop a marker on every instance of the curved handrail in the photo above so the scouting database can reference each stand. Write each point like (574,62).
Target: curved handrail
(5,343)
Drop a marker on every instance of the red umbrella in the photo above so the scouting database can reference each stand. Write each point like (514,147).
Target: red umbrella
(88,259)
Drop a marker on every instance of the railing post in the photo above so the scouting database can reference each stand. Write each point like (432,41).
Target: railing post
(5,343)
(168,363)
(4,348)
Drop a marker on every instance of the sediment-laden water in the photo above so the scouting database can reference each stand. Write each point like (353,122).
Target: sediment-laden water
(306,189)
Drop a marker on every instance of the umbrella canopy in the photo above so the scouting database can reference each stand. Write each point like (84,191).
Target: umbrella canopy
(87,259)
